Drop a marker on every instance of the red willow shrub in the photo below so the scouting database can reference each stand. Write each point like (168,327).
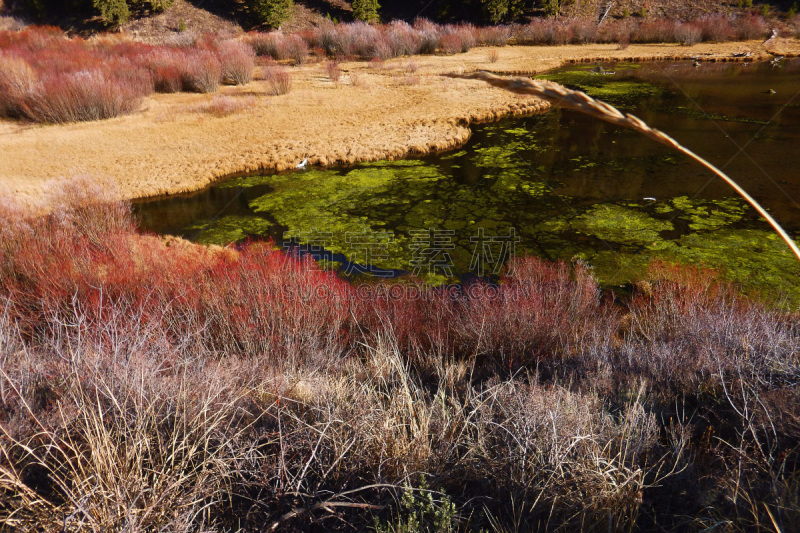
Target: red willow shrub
(279,46)
(403,40)
(716,28)
(687,327)
(238,62)
(655,31)
(450,43)
(277,79)
(688,33)
(682,327)
(538,32)
(334,70)
(86,255)
(47,77)
(749,27)
(81,96)
(203,72)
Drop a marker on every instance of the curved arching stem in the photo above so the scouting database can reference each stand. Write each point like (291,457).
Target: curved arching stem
(579,101)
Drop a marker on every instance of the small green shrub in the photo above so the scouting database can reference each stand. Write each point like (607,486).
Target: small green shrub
(422,513)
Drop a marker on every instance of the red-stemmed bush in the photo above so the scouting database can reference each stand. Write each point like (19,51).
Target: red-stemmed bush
(617,31)
(655,31)
(17,79)
(450,43)
(81,96)
(47,77)
(688,33)
(277,79)
(563,33)
(494,35)
(584,31)
(537,32)
(429,34)
(238,62)
(469,36)
(402,39)
(166,67)
(279,46)
(716,28)
(203,72)
(749,27)
(334,71)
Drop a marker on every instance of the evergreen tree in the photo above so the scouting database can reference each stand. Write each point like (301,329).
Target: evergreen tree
(270,12)
(496,11)
(112,12)
(551,7)
(366,10)
(153,6)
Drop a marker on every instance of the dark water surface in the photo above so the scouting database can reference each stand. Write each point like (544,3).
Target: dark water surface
(560,186)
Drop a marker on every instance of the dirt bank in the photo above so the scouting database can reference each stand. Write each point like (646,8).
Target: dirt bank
(376,111)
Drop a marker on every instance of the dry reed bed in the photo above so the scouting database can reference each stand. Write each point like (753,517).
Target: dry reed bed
(149,385)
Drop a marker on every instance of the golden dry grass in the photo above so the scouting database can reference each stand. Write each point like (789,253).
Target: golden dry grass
(168,147)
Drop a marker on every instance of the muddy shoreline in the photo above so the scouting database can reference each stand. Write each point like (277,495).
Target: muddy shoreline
(377,111)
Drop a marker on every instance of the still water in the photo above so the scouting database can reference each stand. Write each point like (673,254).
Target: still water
(560,186)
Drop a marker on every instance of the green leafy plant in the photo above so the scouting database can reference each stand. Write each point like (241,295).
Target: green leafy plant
(422,513)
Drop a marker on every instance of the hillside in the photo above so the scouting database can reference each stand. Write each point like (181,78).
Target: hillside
(234,15)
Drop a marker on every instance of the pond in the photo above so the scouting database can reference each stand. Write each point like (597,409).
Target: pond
(560,186)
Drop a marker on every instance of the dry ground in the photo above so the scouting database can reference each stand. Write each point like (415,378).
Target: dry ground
(376,111)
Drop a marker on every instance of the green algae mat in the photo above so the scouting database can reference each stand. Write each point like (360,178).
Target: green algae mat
(559,186)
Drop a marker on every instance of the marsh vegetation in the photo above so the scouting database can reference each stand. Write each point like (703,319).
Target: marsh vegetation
(150,384)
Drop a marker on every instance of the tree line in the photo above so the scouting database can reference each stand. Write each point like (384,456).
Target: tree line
(272,13)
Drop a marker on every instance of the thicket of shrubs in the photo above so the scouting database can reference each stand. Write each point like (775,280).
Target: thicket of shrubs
(47,77)
(151,385)
(424,37)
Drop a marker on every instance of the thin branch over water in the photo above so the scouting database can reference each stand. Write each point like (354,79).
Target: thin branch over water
(579,101)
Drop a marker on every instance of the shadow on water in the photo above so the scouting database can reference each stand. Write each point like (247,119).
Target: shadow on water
(560,186)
